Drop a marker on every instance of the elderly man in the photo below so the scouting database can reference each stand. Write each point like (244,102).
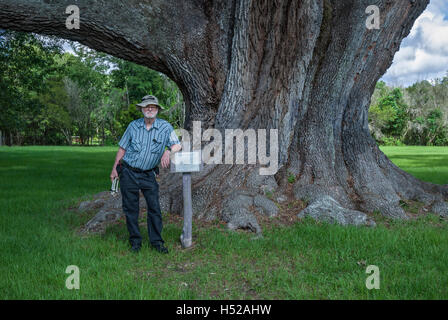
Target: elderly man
(142,148)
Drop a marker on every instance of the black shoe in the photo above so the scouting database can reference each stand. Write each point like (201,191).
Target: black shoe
(161,248)
(135,249)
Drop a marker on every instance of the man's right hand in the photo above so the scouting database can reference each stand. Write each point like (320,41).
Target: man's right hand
(113,174)
(118,157)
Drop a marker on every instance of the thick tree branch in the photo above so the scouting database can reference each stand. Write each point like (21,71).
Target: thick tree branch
(109,26)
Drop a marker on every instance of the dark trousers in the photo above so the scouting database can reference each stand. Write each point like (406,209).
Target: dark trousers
(130,184)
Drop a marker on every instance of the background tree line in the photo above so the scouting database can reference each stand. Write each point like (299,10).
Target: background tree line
(49,96)
(416,115)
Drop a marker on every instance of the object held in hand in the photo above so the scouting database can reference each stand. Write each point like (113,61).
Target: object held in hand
(115,186)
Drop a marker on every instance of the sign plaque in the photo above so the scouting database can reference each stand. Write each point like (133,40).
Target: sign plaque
(186,162)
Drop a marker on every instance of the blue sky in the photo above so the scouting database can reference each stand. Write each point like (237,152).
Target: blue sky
(423,55)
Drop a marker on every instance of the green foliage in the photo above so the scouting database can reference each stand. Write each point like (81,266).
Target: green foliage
(48,96)
(269,194)
(86,85)
(416,115)
(395,102)
(389,114)
(437,132)
(391,141)
(428,105)
(291,178)
(27,61)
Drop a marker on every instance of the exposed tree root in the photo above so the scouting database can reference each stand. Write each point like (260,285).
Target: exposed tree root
(235,194)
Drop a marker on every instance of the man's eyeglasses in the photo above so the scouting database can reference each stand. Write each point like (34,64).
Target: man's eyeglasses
(150,107)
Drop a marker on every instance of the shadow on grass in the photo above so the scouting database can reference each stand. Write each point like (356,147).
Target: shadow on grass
(422,160)
(427,167)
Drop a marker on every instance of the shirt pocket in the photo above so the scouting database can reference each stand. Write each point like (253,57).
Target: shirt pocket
(156,145)
(137,146)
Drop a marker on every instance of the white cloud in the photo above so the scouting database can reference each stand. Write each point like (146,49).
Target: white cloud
(423,54)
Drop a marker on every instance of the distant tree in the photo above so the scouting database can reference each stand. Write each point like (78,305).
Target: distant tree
(26,61)
(106,115)
(86,86)
(427,112)
(388,113)
(54,123)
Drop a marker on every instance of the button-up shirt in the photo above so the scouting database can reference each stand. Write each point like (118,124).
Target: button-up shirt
(144,148)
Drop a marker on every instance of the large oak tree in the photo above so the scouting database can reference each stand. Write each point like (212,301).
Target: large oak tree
(305,67)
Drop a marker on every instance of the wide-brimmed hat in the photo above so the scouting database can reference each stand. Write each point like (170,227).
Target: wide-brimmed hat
(149,99)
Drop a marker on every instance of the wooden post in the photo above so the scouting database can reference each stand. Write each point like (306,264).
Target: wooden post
(186,162)
(186,237)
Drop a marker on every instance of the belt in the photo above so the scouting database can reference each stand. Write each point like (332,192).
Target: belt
(135,169)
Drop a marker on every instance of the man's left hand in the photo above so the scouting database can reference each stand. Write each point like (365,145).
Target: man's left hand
(165,161)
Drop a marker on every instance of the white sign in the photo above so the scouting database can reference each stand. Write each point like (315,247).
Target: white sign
(186,162)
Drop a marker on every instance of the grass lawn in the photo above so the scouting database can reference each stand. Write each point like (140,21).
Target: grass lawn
(306,260)
(426,163)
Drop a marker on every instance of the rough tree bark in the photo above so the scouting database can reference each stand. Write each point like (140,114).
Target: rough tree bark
(307,68)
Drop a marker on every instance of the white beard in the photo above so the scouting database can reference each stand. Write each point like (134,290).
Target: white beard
(148,115)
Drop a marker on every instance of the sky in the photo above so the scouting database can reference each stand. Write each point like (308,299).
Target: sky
(423,55)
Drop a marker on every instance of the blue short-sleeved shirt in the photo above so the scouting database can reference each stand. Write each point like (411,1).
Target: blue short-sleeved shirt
(144,148)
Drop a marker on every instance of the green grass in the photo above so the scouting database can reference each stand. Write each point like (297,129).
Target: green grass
(307,260)
(426,163)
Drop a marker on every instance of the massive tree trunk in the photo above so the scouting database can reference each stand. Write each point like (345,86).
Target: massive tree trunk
(307,68)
